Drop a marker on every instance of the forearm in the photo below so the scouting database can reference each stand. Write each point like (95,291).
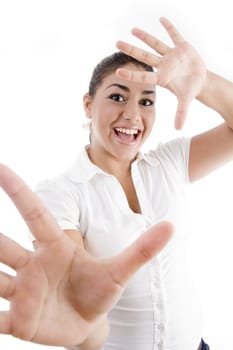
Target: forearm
(96,338)
(218,95)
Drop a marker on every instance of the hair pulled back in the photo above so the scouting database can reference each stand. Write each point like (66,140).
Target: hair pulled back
(108,65)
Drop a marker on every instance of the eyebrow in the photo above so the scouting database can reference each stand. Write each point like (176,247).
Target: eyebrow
(125,88)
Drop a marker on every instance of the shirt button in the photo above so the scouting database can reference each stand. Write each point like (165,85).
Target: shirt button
(160,345)
(161,327)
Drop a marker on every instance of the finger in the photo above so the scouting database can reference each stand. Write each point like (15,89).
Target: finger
(5,322)
(143,77)
(181,113)
(7,285)
(140,252)
(176,37)
(37,217)
(12,254)
(151,41)
(140,54)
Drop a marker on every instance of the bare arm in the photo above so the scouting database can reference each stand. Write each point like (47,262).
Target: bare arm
(214,148)
(217,93)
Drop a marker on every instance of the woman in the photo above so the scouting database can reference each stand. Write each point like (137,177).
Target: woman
(99,278)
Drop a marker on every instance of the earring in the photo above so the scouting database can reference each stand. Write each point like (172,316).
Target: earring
(87,125)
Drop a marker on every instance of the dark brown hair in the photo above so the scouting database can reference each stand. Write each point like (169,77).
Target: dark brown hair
(108,65)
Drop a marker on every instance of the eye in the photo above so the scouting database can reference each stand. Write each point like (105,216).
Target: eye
(117,97)
(147,102)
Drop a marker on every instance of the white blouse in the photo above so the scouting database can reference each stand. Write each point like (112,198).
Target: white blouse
(159,308)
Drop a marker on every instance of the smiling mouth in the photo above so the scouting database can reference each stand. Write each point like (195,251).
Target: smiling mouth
(126,135)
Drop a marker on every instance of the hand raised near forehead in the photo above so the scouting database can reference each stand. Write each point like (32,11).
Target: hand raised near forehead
(60,292)
(180,69)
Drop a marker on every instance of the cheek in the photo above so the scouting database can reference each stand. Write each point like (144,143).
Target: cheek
(106,109)
(150,118)
(107,115)
(103,117)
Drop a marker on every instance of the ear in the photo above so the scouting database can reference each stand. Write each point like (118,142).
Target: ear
(87,100)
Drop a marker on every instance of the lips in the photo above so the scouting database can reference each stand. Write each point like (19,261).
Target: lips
(127,135)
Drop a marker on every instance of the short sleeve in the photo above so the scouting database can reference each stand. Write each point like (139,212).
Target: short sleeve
(61,202)
(174,156)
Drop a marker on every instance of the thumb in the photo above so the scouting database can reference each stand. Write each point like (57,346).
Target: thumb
(141,251)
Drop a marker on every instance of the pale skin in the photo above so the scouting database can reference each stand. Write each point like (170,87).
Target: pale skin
(61,295)
(181,70)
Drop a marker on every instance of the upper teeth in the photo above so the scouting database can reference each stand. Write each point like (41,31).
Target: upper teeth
(127,131)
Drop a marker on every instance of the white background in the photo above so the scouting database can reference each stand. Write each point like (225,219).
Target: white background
(48,49)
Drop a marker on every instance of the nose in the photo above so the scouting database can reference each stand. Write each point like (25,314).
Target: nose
(132,112)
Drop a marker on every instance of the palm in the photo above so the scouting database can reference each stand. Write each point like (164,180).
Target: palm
(179,69)
(60,291)
(39,306)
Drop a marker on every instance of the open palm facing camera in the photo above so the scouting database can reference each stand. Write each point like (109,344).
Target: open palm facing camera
(60,292)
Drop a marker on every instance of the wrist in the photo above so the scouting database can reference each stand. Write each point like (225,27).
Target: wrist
(206,87)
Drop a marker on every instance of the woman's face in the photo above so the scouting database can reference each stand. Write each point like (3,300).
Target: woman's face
(122,115)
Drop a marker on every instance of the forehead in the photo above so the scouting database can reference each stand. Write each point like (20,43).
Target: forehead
(111,78)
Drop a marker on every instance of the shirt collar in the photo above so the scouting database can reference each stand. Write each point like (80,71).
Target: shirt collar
(84,170)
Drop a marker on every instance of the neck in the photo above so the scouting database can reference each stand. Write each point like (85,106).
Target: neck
(111,165)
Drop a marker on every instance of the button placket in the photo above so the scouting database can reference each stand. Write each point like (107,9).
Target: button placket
(158,304)
(160,345)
